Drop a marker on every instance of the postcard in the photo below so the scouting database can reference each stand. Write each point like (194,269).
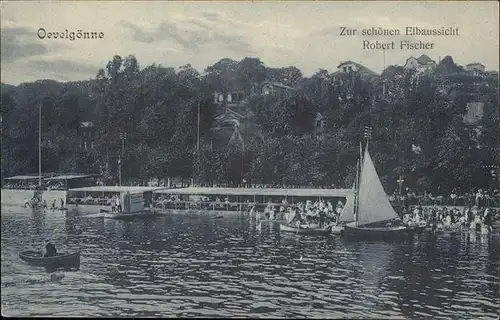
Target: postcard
(279,159)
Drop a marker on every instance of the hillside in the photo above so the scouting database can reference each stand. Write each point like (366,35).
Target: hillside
(158,109)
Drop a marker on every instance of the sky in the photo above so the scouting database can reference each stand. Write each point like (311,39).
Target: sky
(172,34)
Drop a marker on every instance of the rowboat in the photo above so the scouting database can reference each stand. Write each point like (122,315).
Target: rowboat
(124,216)
(59,208)
(62,260)
(305,231)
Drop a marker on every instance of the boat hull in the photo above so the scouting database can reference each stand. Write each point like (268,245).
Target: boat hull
(36,258)
(381,233)
(127,216)
(305,231)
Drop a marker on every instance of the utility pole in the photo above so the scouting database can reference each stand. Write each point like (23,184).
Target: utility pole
(198,135)
(123,136)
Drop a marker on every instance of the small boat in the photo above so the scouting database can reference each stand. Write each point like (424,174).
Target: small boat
(60,209)
(305,231)
(62,260)
(337,229)
(375,218)
(124,216)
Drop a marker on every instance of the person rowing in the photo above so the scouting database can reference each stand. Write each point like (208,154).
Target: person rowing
(50,250)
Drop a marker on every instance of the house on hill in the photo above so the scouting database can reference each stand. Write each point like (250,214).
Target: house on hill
(231,98)
(351,66)
(275,89)
(87,135)
(234,126)
(319,124)
(420,64)
(474,113)
(475,66)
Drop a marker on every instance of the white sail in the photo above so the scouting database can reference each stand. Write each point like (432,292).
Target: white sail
(374,206)
(347,213)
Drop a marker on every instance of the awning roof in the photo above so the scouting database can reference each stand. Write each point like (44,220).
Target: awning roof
(22,178)
(259,192)
(131,189)
(71,176)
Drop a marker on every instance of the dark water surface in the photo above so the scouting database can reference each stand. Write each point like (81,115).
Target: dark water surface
(181,265)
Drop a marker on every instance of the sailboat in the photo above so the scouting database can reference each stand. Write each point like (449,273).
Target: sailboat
(373,215)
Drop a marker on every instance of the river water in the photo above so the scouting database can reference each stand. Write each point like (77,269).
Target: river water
(195,265)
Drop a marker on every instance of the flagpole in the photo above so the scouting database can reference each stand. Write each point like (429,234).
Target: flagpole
(120,170)
(39,144)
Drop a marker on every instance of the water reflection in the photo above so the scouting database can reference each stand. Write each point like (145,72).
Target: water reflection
(199,265)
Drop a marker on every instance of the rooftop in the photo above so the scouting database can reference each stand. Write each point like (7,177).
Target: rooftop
(424,59)
(259,192)
(86,124)
(23,177)
(279,85)
(361,67)
(71,176)
(130,189)
(475,63)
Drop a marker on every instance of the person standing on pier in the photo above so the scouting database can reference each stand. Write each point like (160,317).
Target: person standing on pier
(487,220)
(321,218)
(117,204)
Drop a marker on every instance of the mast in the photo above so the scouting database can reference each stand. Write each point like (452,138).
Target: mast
(39,144)
(356,188)
(358,179)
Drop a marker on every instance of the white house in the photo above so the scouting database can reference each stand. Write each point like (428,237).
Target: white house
(475,66)
(351,66)
(421,63)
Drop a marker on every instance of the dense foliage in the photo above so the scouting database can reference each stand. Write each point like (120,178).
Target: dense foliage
(418,131)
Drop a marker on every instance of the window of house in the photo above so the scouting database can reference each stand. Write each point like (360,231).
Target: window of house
(345,69)
(221,98)
(92,145)
(349,68)
(318,123)
(85,145)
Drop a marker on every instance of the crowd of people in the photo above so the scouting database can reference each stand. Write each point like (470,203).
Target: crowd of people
(473,197)
(309,214)
(34,186)
(475,218)
(37,202)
